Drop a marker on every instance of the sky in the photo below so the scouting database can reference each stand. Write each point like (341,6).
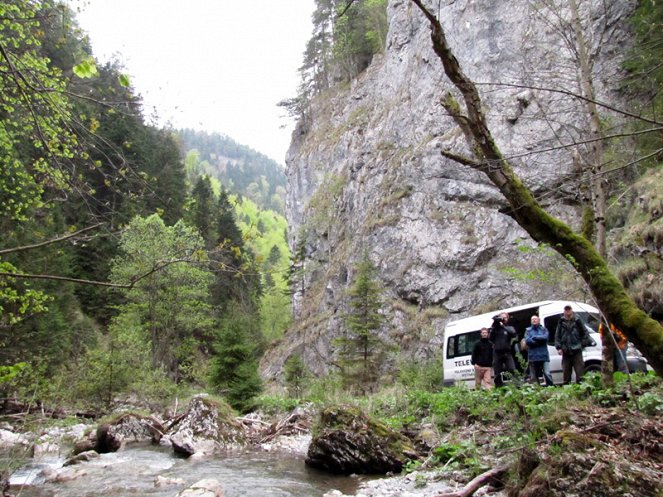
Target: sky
(213,65)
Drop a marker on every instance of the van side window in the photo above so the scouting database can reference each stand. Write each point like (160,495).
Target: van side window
(462,344)
(551,325)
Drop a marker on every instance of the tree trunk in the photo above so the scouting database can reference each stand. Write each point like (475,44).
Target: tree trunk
(597,146)
(609,293)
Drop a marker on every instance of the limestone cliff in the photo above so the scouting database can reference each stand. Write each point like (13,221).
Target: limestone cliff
(365,173)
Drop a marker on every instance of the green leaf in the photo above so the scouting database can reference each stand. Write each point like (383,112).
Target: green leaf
(86,69)
(124,80)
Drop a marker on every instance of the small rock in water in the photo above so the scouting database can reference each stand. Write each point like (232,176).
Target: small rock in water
(162,481)
(86,456)
(208,487)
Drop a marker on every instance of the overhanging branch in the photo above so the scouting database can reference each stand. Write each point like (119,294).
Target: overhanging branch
(48,242)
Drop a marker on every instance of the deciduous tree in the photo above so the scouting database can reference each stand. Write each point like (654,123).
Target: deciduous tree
(173,300)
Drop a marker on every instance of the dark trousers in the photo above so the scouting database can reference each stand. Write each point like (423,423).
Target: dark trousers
(537,369)
(572,361)
(502,363)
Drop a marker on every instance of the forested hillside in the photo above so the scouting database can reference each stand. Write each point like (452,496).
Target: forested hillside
(238,167)
(121,270)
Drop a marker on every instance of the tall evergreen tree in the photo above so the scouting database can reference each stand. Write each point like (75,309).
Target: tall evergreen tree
(203,210)
(237,278)
(361,349)
(234,369)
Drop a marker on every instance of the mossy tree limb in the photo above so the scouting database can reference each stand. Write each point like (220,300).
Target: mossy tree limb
(608,291)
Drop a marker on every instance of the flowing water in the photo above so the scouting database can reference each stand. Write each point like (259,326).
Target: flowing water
(133,472)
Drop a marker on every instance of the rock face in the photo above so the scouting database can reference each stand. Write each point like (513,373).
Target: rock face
(365,173)
(350,442)
(207,427)
(128,428)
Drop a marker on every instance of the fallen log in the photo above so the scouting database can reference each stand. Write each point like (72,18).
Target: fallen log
(490,476)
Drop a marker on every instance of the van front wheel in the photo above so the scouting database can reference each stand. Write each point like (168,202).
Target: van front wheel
(593,367)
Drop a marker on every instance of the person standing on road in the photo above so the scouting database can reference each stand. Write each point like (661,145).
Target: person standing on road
(482,360)
(569,337)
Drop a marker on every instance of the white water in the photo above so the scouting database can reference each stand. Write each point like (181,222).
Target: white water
(132,472)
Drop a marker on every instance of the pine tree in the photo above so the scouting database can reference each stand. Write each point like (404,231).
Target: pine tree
(203,216)
(362,349)
(235,365)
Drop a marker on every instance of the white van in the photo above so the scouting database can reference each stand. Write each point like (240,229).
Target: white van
(460,337)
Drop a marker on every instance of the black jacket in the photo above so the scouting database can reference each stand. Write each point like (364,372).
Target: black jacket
(501,335)
(570,334)
(482,354)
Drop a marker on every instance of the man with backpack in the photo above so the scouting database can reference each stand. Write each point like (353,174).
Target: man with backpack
(569,337)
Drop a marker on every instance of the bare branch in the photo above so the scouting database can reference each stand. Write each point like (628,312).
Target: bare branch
(65,278)
(463,160)
(346,8)
(157,267)
(585,142)
(569,93)
(48,242)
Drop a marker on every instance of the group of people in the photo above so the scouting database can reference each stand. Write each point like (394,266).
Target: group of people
(493,353)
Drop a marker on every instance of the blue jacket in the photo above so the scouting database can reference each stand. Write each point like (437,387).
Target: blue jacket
(536,338)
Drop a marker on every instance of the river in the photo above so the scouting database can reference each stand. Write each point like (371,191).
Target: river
(133,472)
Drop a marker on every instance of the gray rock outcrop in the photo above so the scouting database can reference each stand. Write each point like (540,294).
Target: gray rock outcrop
(207,427)
(365,173)
(350,442)
(128,428)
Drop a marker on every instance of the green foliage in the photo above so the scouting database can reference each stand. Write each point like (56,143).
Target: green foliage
(646,74)
(328,390)
(651,404)
(8,373)
(358,34)
(296,376)
(86,69)
(36,141)
(19,301)
(170,288)
(421,375)
(37,145)
(457,455)
(241,169)
(272,256)
(342,45)
(234,368)
(361,350)
(275,405)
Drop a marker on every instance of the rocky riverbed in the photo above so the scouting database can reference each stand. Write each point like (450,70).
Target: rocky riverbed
(612,449)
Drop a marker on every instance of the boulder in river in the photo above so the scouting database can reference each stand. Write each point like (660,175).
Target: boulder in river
(208,487)
(114,435)
(348,441)
(207,427)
